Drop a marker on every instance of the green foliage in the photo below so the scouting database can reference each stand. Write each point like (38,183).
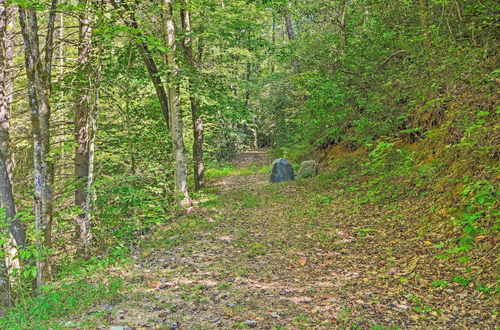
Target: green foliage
(221,170)
(463,281)
(387,164)
(128,206)
(58,301)
(480,199)
(22,277)
(364,231)
(440,284)
(359,74)
(480,216)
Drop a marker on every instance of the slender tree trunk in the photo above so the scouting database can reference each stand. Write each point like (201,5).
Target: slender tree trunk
(93,120)
(60,50)
(82,109)
(154,73)
(199,166)
(289,24)
(255,133)
(289,31)
(6,84)
(253,127)
(176,129)
(15,231)
(38,72)
(6,202)
(273,42)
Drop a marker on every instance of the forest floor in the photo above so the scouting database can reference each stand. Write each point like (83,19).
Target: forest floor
(296,255)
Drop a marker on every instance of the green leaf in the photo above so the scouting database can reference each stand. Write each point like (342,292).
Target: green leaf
(438,246)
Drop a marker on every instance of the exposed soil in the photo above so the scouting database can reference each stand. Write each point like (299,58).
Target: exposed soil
(296,255)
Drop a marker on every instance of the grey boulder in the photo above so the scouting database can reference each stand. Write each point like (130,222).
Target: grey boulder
(308,169)
(282,171)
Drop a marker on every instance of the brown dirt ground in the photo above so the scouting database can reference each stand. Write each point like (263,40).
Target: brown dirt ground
(298,255)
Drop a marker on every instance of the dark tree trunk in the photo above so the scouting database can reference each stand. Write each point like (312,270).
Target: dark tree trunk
(199,166)
(289,25)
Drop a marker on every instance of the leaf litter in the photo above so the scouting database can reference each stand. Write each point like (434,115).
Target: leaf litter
(268,256)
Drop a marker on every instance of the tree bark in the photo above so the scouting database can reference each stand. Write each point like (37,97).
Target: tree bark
(273,42)
(6,199)
(180,170)
(93,119)
(5,91)
(199,166)
(253,127)
(38,73)
(82,109)
(15,230)
(6,87)
(289,25)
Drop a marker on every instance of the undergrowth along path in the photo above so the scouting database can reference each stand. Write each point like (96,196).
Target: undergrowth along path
(302,254)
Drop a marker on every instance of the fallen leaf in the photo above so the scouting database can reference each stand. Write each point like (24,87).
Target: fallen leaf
(302,261)
(410,267)
(299,300)
(480,238)
(443,213)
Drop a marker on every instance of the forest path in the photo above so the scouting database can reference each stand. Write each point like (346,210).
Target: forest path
(295,255)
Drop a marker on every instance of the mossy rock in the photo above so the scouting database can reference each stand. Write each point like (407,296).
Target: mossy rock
(308,169)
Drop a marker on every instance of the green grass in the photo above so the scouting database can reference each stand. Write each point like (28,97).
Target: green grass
(213,173)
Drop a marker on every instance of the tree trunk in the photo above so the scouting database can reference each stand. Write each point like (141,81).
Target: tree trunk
(180,170)
(15,230)
(154,73)
(199,166)
(273,42)
(94,115)
(255,133)
(60,50)
(253,127)
(82,109)
(289,25)
(38,73)
(6,87)
(6,195)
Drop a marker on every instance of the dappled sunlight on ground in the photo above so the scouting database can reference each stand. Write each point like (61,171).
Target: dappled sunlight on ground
(267,255)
